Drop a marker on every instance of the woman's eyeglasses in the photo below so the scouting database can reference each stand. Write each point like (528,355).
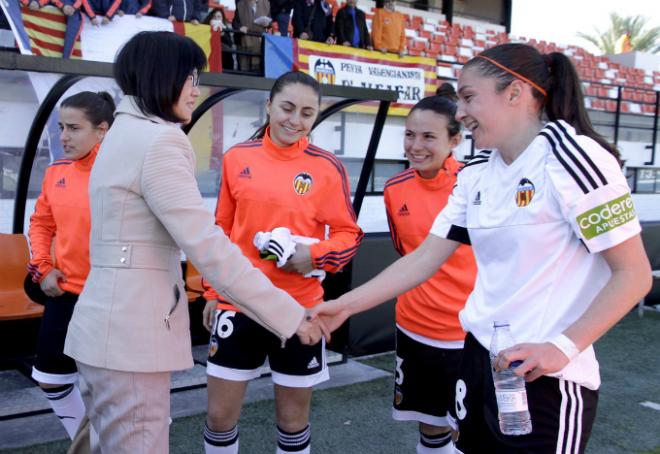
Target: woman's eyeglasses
(195,78)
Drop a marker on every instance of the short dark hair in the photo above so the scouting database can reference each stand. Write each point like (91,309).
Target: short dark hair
(98,107)
(153,67)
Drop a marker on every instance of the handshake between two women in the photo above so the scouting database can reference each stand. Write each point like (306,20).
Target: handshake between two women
(321,321)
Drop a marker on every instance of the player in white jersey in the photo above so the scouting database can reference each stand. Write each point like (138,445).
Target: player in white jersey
(556,239)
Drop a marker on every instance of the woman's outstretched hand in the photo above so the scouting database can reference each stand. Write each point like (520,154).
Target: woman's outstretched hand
(332,313)
(312,329)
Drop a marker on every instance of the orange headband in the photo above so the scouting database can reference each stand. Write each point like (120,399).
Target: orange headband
(515,74)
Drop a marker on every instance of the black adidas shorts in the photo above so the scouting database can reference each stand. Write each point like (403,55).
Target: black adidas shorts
(562,412)
(423,381)
(239,347)
(51,365)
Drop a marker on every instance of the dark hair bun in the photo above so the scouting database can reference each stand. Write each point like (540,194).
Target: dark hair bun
(446,90)
(107,97)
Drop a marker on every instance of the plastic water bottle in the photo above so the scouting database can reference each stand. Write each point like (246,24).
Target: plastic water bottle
(510,391)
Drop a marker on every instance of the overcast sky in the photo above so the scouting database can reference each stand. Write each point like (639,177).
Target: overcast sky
(560,20)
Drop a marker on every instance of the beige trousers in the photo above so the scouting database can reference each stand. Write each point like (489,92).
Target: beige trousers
(129,410)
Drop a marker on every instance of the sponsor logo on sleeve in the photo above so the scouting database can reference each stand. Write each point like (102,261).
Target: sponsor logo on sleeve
(606,217)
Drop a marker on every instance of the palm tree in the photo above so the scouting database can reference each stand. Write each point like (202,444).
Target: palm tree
(632,26)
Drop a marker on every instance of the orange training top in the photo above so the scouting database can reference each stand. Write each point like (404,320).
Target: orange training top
(412,204)
(62,212)
(301,187)
(388,31)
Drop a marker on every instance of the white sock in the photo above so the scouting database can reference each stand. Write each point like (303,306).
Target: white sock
(435,444)
(297,442)
(220,442)
(68,406)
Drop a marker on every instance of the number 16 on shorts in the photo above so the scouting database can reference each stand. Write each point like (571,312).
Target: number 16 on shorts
(223,327)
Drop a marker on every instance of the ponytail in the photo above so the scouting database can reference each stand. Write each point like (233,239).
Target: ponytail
(447,90)
(553,78)
(261,132)
(565,99)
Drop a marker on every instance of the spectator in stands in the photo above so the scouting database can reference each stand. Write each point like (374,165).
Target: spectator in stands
(68,7)
(281,14)
(351,27)
(538,205)
(136,7)
(388,30)
(286,204)
(429,337)
(252,16)
(312,20)
(60,225)
(218,22)
(179,10)
(130,329)
(101,11)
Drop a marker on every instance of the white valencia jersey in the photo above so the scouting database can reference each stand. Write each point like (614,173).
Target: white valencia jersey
(536,227)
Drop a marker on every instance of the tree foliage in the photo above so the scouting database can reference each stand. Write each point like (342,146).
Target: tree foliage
(634,26)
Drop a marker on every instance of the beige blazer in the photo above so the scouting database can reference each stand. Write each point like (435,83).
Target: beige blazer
(132,314)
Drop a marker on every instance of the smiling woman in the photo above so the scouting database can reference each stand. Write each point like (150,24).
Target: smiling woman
(131,328)
(281,187)
(429,335)
(534,206)
(291,116)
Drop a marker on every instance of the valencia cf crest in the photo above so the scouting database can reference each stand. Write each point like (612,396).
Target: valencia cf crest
(324,71)
(524,193)
(213,347)
(398,396)
(302,183)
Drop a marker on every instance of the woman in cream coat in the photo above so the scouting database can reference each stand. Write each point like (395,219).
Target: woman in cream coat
(131,328)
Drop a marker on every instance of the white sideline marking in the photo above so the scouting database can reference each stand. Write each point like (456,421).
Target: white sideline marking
(652,405)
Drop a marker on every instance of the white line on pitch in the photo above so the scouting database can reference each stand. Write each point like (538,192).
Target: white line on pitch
(652,405)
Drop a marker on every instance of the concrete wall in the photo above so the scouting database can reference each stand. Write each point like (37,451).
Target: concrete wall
(642,60)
